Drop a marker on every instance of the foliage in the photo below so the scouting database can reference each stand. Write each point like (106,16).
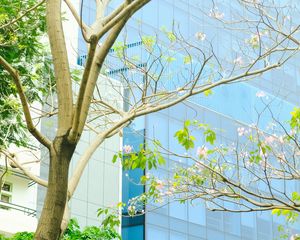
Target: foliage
(73,232)
(110,220)
(187,140)
(20,46)
(142,158)
(18,236)
(295,119)
(22,236)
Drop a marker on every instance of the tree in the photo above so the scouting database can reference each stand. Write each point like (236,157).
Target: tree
(258,173)
(255,171)
(20,36)
(196,69)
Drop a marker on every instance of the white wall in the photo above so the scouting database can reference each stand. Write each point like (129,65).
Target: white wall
(16,220)
(71,32)
(100,185)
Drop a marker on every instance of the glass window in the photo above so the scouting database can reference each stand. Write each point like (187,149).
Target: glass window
(178,210)
(157,128)
(154,233)
(214,235)
(7,187)
(177,236)
(232,223)
(130,188)
(150,14)
(247,219)
(264,229)
(197,213)
(133,232)
(214,220)
(5,198)
(165,15)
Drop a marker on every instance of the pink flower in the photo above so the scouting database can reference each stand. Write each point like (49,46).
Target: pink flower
(260,94)
(200,36)
(199,166)
(159,185)
(202,152)
(215,13)
(169,193)
(238,61)
(281,158)
(292,132)
(281,139)
(253,1)
(131,210)
(241,131)
(254,40)
(127,149)
(295,237)
(269,139)
(244,154)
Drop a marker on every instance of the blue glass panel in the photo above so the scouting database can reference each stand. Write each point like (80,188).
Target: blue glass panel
(133,233)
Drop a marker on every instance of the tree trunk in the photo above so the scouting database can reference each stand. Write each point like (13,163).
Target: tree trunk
(49,226)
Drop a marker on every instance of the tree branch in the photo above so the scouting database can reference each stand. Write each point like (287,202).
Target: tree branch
(123,14)
(14,159)
(61,66)
(22,15)
(90,80)
(76,16)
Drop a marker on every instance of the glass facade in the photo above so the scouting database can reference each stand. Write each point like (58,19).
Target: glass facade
(194,221)
(227,108)
(132,227)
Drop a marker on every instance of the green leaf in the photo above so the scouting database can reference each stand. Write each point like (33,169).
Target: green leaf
(148,41)
(187,59)
(208,92)
(161,160)
(210,136)
(115,157)
(171,36)
(295,196)
(276,212)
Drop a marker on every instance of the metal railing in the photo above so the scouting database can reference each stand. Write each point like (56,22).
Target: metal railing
(11,206)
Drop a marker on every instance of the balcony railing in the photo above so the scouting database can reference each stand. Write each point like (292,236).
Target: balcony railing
(11,206)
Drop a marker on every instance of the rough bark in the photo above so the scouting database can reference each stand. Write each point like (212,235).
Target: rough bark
(49,226)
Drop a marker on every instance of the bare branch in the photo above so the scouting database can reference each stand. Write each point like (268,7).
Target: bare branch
(14,159)
(85,27)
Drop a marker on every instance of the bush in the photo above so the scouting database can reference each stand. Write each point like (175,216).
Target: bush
(74,232)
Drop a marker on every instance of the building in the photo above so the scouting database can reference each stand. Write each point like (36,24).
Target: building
(228,108)
(18,196)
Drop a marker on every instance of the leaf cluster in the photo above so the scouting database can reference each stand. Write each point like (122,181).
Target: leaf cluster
(21,34)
